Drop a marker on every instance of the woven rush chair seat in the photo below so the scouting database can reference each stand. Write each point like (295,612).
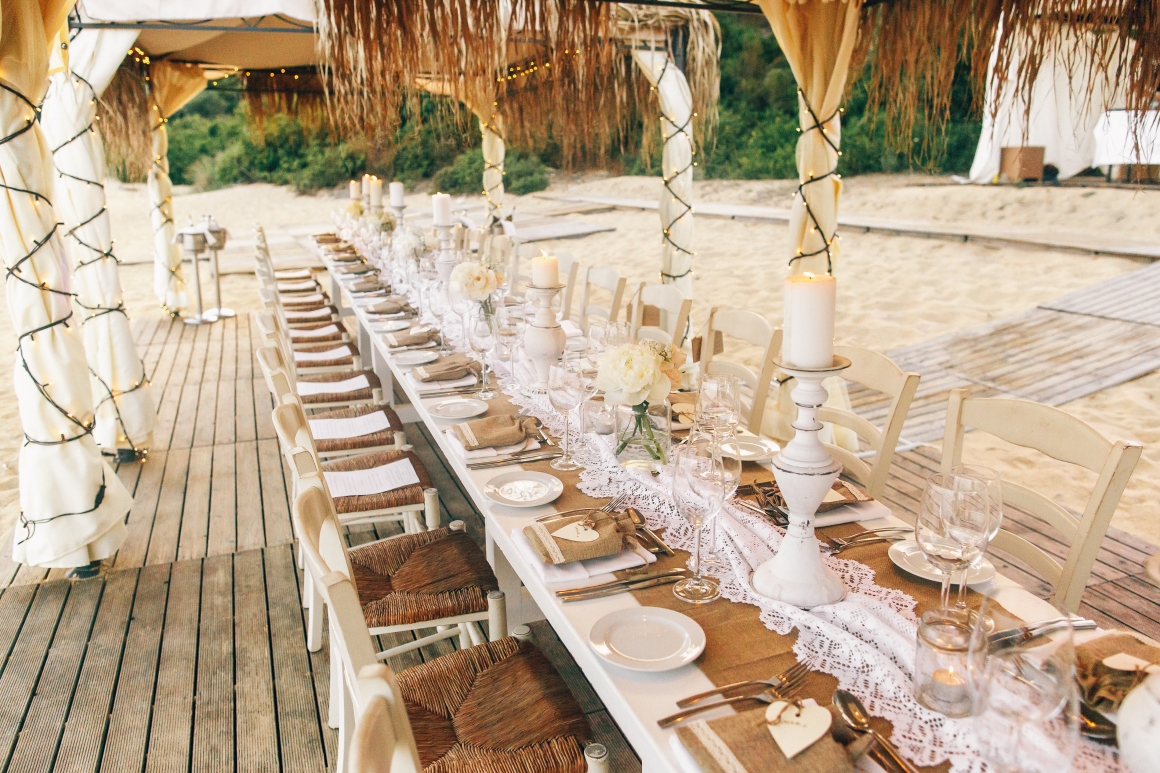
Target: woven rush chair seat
(313,313)
(298,286)
(414,578)
(497,707)
(366,393)
(384,437)
(400,497)
(290,274)
(335,336)
(304,303)
(347,360)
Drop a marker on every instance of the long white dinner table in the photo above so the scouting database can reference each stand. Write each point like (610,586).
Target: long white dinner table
(635,700)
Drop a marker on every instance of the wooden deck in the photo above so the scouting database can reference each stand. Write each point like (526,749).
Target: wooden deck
(189,651)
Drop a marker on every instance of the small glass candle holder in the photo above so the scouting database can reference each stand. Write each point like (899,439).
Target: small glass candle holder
(941,664)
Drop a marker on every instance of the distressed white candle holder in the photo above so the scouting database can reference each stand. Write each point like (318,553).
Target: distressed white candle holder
(446,261)
(805,472)
(544,339)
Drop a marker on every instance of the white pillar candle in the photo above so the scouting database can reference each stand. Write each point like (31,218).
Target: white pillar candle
(808,334)
(376,192)
(355,192)
(545,271)
(441,208)
(366,186)
(396,194)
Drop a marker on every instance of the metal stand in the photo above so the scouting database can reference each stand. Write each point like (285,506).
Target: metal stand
(805,472)
(219,311)
(194,244)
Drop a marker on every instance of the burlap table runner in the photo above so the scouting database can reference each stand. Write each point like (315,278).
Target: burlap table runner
(447,368)
(615,530)
(1104,688)
(494,431)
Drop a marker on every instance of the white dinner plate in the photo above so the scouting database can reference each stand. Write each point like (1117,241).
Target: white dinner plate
(908,557)
(523,488)
(750,449)
(390,326)
(408,359)
(647,639)
(458,408)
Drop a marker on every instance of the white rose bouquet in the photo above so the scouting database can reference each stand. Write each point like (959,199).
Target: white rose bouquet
(637,375)
(406,242)
(474,282)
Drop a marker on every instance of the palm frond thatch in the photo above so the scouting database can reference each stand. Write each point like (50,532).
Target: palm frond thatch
(123,117)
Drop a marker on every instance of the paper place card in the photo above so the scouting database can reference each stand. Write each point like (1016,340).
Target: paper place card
(324,312)
(339,429)
(332,354)
(1122,661)
(577,532)
(315,298)
(309,284)
(377,480)
(306,388)
(322,331)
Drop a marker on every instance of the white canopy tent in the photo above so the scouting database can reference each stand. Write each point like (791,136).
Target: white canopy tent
(125,413)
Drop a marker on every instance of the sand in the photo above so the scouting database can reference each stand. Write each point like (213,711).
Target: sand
(893,291)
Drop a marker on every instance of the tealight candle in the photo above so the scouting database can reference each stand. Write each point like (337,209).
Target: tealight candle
(355,192)
(808,332)
(545,271)
(396,189)
(376,192)
(947,686)
(441,208)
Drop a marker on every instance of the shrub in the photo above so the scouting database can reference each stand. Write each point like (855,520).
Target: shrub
(523,173)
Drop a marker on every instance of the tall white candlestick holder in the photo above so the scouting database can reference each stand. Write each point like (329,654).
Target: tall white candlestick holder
(544,339)
(446,261)
(805,471)
(398,212)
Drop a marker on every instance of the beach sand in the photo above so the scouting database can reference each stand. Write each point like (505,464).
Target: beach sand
(893,290)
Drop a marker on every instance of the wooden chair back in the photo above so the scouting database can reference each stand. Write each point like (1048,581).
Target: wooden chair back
(383,741)
(606,278)
(569,271)
(273,367)
(1068,439)
(316,526)
(674,307)
(752,328)
(878,372)
(293,427)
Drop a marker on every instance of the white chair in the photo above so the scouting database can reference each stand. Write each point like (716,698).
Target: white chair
(569,269)
(332,353)
(608,279)
(753,329)
(281,381)
(878,372)
(674,308)
(1060,436)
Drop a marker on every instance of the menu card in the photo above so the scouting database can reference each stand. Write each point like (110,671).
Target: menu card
(376,480)
(322,331)
(332,354)
(305,388)
(336,429)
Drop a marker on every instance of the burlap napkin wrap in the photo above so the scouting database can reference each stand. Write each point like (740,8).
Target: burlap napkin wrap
(447,368)
(495,431)
(412,337)
(742,744)
(345,257)
(391,306)
(615,530)
(356,268)
(367,285)
(1104,688)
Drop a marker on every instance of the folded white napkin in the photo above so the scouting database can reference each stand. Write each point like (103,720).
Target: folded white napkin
(530,444)
(859,511)
(578,571)
(332,354)
(570,328)
(438,386)
(315,333)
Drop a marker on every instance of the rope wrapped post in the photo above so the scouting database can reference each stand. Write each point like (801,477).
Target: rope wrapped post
(493,156)
(676,203)
(73,505)
(125,413)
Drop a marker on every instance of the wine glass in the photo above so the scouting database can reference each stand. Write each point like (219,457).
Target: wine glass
(462,307)
(565,392)
(719,444)
(953,526)
(481,338)
(718,402)
(509,331)
(986,491)
(699,492)
(441,308)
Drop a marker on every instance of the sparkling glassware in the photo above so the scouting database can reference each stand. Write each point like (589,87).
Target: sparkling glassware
(988,493)
(481,338)
(440,307)
(731,470)
(565,393)
(462,307)
(509,330)
(699,493)
(718,403)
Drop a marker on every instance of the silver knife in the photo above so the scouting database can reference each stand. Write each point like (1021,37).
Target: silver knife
(621,589)
(508,461)
(1017,637)
(625,581)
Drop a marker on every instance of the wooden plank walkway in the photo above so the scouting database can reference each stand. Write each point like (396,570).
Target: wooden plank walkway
(1132,297)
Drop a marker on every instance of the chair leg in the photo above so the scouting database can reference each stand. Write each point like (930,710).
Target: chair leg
(464,637)
(301,557)
(314,620)
(334,711)
(307,589)
(431,507)
(345,729)
(496,615)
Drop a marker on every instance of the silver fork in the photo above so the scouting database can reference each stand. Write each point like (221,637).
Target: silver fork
(788,675)
(613,503)
(886,532)
(785,692)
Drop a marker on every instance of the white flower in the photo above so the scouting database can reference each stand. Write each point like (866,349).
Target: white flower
(631,374)
(473,281)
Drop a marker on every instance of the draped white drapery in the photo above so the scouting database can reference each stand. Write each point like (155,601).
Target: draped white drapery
(72,504)
(125,413)
(493,157)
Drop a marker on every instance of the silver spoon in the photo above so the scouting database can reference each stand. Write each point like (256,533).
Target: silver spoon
(856,717)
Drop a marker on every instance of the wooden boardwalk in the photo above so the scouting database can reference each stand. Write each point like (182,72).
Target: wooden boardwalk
(189,651)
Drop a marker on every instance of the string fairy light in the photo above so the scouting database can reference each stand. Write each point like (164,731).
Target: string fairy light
(666,231)
(827,241)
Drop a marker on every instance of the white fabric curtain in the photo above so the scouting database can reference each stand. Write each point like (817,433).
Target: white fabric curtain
(171,86)
(73,505)
(125,413)
(676,204)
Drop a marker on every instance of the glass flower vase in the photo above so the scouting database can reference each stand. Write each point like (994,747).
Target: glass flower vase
(643,435)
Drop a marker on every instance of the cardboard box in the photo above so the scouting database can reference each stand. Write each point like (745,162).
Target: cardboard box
(1017,164)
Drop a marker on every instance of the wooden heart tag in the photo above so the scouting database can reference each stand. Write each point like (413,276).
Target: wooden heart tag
(577,532)
(795,728)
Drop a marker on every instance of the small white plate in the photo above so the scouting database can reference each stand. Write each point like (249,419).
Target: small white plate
(390,326)
(523,488)
(458,408)
(647,639)
(415,358)
(908,557)
(751,449)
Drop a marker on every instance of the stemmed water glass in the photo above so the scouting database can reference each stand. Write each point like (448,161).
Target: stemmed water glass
(699,492)
(481,338)
(440,306)
(718,446)
(955,522)
(565,392)
(715,414)
(510,332)
(462,307)
(987,492)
